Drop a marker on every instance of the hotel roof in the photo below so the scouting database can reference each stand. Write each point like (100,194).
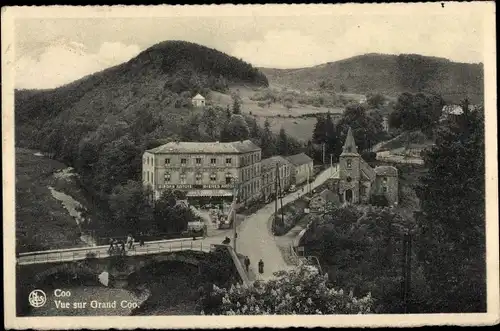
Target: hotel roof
(234,147)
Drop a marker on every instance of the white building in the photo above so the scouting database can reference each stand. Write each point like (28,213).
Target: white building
(198,100)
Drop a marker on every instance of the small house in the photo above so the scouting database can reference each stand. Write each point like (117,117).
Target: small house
(198,100)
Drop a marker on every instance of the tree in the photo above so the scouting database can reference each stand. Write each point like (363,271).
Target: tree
(267,141)
(130,209)
(168,216)
(236,106)
(301,291)
(417,112)
(191,130)
(452,223)
(282,144)
(209,120)
(361,250)
(235,130)
(331,139)
(254,127)
(319,132)
(376,100)
(367,130)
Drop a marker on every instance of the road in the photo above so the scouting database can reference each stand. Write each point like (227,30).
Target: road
(256,240)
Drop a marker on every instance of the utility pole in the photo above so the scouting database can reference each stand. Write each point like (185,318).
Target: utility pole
(331,164)
(233,211)
(280,195)
(276,196)
(323,153)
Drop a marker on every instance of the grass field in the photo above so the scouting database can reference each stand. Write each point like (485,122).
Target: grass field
(41,221)
(278,115)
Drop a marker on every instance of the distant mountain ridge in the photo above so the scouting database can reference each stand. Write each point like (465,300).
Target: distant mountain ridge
(389,74)
(161,77)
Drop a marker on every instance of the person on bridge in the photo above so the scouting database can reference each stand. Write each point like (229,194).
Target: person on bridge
(261,266)
(111,245)
(141,239)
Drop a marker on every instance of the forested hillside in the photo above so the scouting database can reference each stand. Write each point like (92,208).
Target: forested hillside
(388,74)
(102,124)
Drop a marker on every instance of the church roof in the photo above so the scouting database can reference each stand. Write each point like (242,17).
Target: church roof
(386,171)
(198,97)
(349,144)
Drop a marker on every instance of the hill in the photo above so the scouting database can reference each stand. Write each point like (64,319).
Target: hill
(388,74)
(101,124)
(164,75)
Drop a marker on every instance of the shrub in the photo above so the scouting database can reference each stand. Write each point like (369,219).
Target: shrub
(369,156)
(379,200)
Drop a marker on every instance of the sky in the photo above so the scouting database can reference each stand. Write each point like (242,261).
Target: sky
(52,51)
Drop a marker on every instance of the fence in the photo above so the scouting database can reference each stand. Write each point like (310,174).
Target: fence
(76,254)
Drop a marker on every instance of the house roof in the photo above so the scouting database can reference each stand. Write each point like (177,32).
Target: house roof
(386,171)
(198,97)
(299,159)
(234,147)
(270,162)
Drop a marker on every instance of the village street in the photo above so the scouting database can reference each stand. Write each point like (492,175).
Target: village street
(255,239)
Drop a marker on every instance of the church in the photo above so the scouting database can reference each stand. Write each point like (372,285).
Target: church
(357,181)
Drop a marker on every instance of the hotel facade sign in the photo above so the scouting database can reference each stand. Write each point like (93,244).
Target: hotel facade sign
(195,187)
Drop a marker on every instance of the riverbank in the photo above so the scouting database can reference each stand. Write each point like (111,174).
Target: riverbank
(42,221)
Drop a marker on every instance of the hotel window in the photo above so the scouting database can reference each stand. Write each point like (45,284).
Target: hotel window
(167,161)
(385,180)
(147,160)
(384,189)
(167,177)
(229,178)
(363,190)
(213,177)
(213,161)
(183,161)
(349,164)
(183,178)
(198,160)
(198,177)
(228,161)
(147,176)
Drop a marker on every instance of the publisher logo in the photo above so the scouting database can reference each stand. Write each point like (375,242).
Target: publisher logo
(37,298)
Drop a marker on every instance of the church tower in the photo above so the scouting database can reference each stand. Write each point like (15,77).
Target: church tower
(349,170)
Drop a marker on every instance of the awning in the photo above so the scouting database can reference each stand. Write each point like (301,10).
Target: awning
(210,193)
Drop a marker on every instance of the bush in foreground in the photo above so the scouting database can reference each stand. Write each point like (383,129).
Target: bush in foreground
(300,291)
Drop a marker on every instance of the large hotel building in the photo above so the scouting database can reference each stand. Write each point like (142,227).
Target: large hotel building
(206,171)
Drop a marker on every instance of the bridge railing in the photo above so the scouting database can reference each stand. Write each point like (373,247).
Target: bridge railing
(104,251)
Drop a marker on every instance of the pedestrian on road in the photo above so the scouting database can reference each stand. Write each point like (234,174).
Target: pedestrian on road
(261,266)
(131,243)
(247,263)
(141,239)
(122,244)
